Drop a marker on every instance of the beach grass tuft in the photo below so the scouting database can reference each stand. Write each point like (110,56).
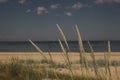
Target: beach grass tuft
(47,69)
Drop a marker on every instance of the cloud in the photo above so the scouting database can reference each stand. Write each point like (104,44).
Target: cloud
(77,5)
(106,1)
(28,10)
(68,14)
(22,1)
(41,10)
(3,1)
(54,6)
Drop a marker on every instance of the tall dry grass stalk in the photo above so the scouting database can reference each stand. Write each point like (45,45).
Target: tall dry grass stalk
(66,48)
(108,61)
(64,54)
(67,60)
(63,36)
(41,52)
(51,59)
(65,51)
(38,49)
(83,60)
(94,61)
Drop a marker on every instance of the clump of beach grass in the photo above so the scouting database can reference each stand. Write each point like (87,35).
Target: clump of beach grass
(84,63)
(65,54)
(47,69)
(13,70)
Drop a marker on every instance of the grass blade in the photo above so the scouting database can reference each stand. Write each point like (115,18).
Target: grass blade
(38,49)
(83,60)
(66,56)
(94,60)
(79,40)
(109,61)
(67,60)
(63,36)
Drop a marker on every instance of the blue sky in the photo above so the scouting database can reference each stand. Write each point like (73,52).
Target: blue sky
(21,20)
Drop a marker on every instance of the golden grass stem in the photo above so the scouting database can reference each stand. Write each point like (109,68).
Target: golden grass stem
(66,56)
(63,36)
(83,60)
(38,49)
(63,50)
(79,40)
(67,60)
(94,61)
(109,61)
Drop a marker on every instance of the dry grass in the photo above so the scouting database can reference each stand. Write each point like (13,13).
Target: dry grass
(58,58)
(64,65)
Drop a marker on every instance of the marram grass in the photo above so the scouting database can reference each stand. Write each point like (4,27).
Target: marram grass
(46,69)
(83,59)
(38,49)
(63,36)
(67,60)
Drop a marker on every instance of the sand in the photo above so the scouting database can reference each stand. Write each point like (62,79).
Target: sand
(57,56)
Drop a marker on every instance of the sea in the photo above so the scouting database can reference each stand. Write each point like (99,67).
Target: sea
(54,46)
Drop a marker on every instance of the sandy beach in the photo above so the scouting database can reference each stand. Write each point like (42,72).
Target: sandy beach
(57,56)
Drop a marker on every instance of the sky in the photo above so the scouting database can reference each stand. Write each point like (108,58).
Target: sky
(21,20)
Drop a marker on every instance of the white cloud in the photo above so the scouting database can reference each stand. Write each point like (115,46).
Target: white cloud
(77,5)
(68,13)
(54,6)
(22,1)
(3,1)
(28,10)
(41,10)
(106,1)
